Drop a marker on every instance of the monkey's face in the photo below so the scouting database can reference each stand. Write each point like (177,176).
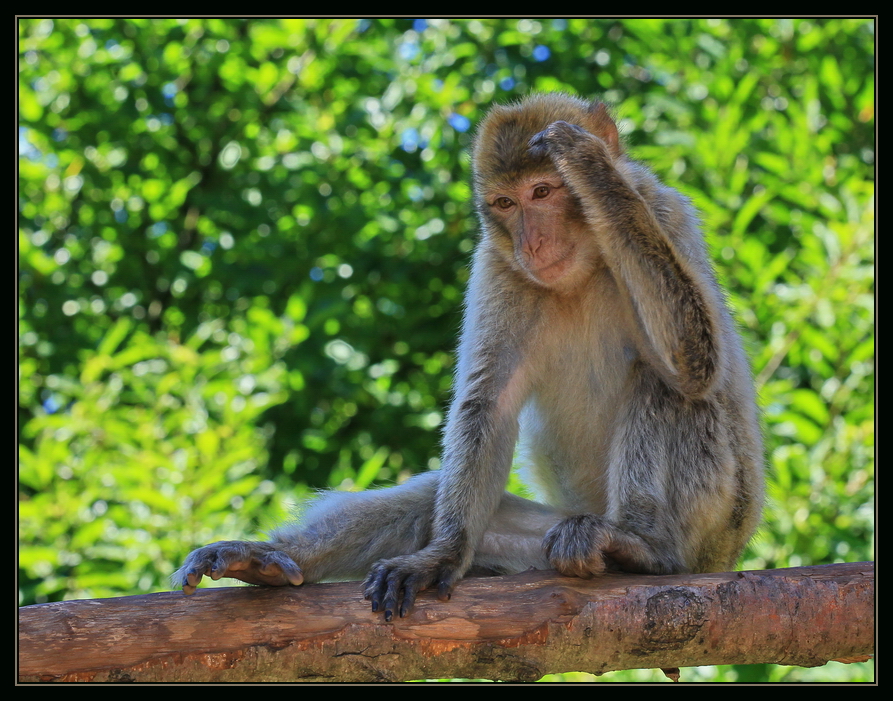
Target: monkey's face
(527,210)
(537,223)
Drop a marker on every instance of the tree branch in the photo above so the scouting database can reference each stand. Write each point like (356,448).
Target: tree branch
(510,628)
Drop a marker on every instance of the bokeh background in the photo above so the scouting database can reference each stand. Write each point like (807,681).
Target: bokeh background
(243,245)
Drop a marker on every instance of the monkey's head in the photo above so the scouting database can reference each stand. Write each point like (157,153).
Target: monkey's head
(501,142)
(527,211)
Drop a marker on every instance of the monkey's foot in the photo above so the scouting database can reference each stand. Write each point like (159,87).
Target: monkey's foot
(255,563)
(577,546)
(392,584)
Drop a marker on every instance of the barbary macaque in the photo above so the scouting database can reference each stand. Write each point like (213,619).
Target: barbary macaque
(597,348)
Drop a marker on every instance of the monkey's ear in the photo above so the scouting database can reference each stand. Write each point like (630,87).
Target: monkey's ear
(603,126)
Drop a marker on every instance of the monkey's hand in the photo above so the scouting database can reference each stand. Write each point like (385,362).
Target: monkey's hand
(255,563)
(562,141)
(392,584)
(583,161)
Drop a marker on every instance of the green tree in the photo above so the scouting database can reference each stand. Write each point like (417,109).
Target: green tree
(243,245)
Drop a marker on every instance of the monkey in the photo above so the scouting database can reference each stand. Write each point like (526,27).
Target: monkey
(597,349)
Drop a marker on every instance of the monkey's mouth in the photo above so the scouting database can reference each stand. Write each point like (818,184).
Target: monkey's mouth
(554,271)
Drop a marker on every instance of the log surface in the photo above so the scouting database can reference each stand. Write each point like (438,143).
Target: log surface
(518,627)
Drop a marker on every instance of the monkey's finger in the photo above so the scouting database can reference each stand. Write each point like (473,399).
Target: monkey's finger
(537,144)
(190,583)
(373,586)
(279,566)
(445,585)
(411,586)
(408,601)
(541,140)
(189,579)
(393,595)
(537,139)
(444,591)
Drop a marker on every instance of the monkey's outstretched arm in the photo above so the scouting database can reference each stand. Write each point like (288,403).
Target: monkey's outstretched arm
(481,432)
(673,302)
(472,479)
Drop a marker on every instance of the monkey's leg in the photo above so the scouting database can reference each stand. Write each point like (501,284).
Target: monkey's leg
(638,532)
(514,538)
(340,536)
(343,534)
(587,545)
(674,493)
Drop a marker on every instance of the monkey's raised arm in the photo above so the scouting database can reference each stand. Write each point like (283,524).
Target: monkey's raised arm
(674,300)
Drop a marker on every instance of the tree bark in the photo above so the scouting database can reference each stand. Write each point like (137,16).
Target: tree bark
(510,628)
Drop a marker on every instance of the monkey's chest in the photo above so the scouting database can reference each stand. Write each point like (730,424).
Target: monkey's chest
(569,423)
(563,451)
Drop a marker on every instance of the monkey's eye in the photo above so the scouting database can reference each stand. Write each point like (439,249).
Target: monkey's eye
(504,202)
(541,191)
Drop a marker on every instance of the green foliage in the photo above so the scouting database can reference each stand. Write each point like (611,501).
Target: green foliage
(243,245)
(159,446)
